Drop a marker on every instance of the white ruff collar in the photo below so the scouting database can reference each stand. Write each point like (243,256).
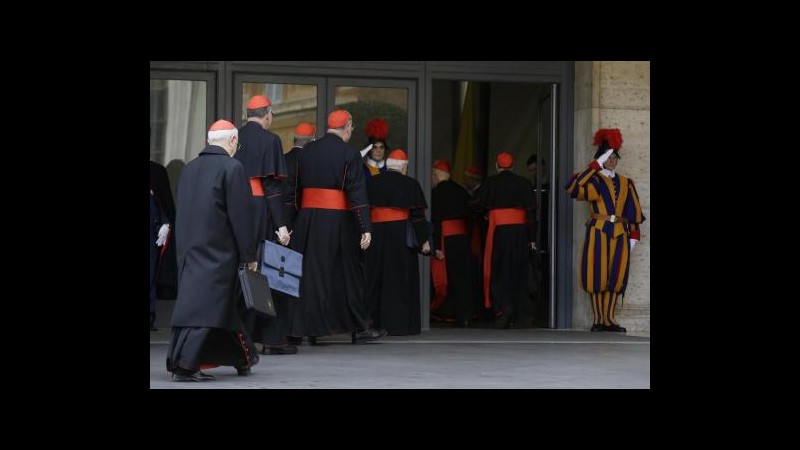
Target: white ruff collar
(378,164)
(608,173)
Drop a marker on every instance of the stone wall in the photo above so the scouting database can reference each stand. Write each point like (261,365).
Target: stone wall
(615,94)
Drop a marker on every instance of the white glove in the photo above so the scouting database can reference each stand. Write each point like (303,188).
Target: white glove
(633,243)
(366,150)
(604,157)
(163,232)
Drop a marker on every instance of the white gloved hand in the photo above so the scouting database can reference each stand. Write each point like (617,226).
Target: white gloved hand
(163,232)
(633,243)
(604,157)
(366,150)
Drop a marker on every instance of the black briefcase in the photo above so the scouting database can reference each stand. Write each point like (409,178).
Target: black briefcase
(256,292)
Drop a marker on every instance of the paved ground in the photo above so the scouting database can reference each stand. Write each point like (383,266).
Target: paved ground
(442,358)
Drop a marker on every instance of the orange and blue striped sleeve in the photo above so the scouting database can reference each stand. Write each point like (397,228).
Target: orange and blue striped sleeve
(579,187)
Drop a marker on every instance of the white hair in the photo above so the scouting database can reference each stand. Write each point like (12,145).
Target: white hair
(441,174)
(221,136)
(396,164)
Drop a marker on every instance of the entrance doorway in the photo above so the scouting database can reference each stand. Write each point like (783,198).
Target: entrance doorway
(471,122)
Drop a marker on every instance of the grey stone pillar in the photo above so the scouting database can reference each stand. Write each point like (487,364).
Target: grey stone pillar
(615,94)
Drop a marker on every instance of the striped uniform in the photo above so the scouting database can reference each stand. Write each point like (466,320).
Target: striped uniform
(605,257)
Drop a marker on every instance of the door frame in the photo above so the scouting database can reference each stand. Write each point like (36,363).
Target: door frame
(561,74)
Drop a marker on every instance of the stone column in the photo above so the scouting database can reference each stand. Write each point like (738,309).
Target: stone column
(615,94)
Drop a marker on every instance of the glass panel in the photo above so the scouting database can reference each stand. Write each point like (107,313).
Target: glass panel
(177,119)
(177,123)
(366,103)
(291,104)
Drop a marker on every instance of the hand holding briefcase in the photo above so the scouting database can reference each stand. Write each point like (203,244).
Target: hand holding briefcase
(256,292)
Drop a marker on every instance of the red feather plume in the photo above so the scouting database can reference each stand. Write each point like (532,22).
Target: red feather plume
(612,135)
(377,129)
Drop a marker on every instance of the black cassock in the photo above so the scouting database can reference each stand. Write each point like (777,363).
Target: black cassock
(332,288)
(261,154)
(166,275)
(391,268)
(509,259)
(214,235)
(450,201)
(290,212)
(289,208)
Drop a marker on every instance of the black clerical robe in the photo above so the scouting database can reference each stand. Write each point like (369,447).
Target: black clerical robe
(214,231)
(333,212)
(391,267)
(456,294)
(509,202)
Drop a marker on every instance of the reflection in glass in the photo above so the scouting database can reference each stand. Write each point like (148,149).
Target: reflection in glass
(291,104)
(366,103)
(177,124)
(177,120)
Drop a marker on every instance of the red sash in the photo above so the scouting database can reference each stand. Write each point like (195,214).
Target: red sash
(386,214)
(324,199)
(256,187)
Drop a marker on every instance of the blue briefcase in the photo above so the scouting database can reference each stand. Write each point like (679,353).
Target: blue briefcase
(283,268)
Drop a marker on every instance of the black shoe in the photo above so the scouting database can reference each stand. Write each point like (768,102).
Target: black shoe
(615,327)
(243,371)
(294,340)
(288,350)
(372,334)
(205,376)
(197,375)
(312,340)
(597,327)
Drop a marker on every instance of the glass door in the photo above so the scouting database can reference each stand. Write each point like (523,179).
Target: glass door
(294,100)
(181,109)
(391,100)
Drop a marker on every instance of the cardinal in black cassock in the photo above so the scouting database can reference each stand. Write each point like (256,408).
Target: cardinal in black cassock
(214,236)
(331,228)
(452,266)
(261,154)
(392,268)
(510,203)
